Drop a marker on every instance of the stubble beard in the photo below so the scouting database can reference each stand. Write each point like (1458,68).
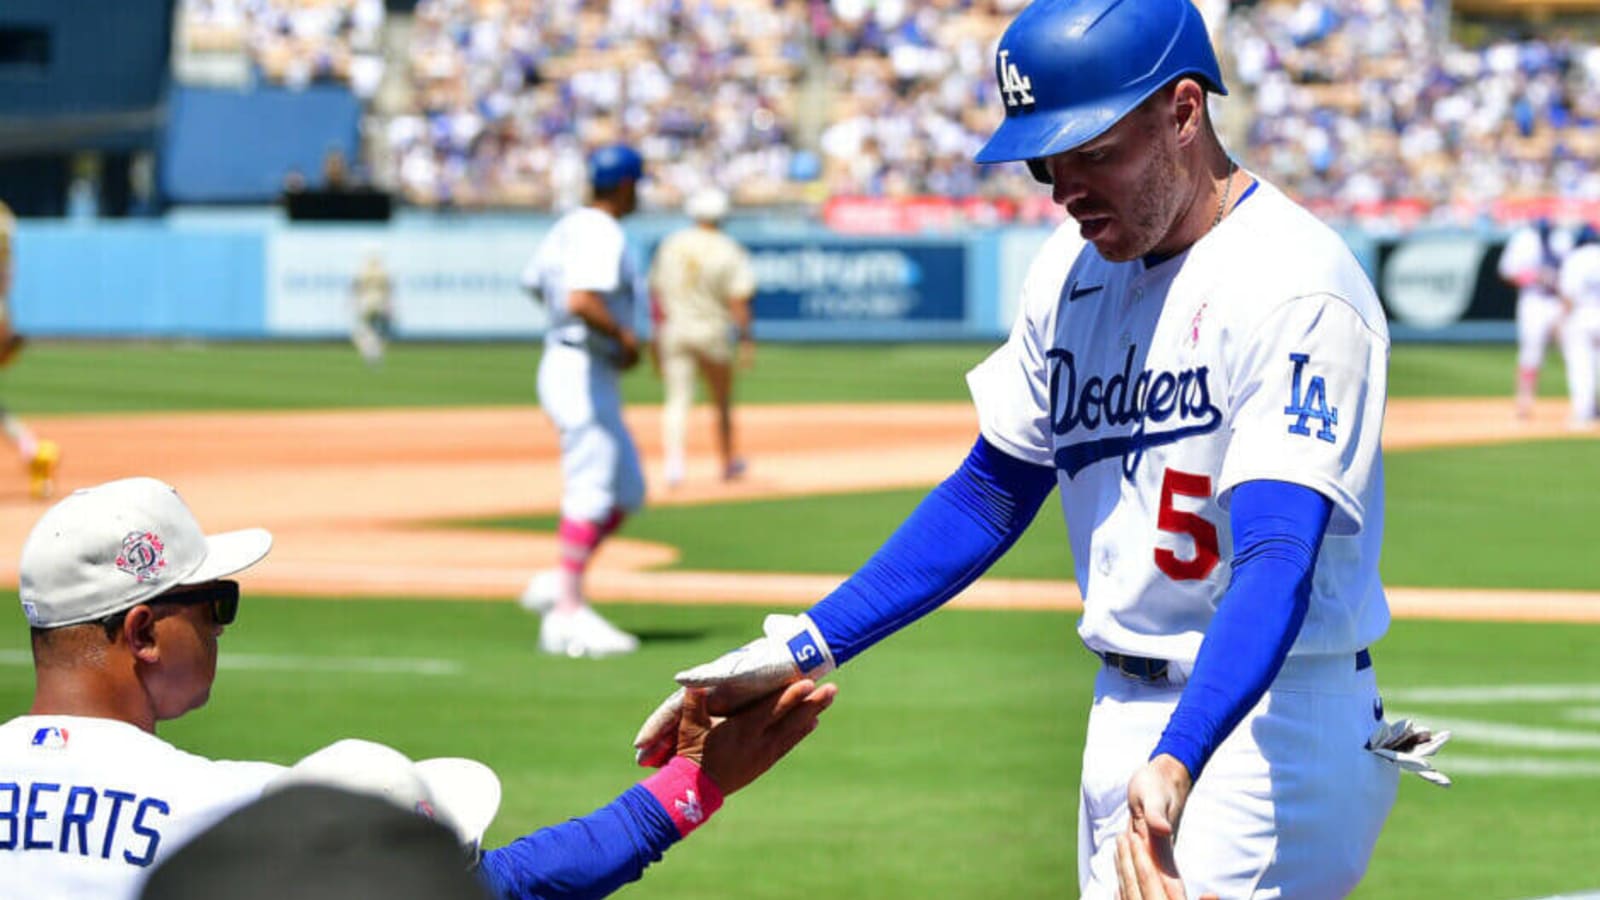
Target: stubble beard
(1154,208)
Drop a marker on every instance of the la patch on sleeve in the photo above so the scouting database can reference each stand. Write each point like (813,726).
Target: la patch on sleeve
(1308,399)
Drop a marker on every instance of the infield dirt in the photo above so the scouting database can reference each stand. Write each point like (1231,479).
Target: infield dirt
(359,501)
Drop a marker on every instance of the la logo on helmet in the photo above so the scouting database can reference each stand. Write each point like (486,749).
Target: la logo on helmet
(1016,87)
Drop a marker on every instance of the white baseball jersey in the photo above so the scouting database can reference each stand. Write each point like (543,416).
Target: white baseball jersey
(1527,262)
(1580,276)
(1261,352)
(88,806)
(585,250)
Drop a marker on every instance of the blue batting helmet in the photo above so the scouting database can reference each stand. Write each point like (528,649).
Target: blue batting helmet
(1070,69)
(613,164)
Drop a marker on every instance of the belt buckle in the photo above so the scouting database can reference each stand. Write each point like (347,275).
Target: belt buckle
(1150,671)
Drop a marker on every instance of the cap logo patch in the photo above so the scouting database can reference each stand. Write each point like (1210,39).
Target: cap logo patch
(143,556)
(1015,87)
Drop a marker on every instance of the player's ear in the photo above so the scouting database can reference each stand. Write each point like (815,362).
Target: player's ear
(139,632)
(1188,109)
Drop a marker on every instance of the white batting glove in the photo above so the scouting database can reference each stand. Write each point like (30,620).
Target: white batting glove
(790,649)
(1410,746)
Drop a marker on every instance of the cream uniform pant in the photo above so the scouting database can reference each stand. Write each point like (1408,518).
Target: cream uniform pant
(599,462)
(1300,798)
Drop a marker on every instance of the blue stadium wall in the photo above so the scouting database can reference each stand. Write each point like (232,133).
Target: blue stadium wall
(258,277)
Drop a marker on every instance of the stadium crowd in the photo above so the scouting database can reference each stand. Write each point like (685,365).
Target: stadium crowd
(294,42)
(1359,107)
(1365,107)
(509,93)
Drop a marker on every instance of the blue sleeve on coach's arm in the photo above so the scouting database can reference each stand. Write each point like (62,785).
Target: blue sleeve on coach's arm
(581,858)
(952,537)
(1277,532)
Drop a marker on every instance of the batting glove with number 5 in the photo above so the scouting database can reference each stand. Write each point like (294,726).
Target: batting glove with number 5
(791,648)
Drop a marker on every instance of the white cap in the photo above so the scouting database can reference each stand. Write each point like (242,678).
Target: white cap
(462,794)
(706,205)
(107,548)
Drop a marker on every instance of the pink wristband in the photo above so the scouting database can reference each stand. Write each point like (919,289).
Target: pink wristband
(687,794)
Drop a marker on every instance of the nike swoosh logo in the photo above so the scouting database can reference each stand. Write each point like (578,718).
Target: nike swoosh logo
(1077,293)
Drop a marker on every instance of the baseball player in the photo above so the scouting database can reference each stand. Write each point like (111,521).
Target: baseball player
(585,274)
(127,597)
(371,296)
(1531,261)
(1580,339)
(1200,366)
(41,455)
(700,287)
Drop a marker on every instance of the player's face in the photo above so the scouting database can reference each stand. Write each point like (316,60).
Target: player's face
(1122,187)
(186,634)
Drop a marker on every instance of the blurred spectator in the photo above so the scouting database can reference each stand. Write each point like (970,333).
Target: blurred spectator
(336,171)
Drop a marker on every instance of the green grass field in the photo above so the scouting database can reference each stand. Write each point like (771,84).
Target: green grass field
(949,766)
(118,377)
(1431,495)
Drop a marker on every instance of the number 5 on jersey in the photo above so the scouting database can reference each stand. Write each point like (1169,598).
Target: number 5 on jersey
(1177,521)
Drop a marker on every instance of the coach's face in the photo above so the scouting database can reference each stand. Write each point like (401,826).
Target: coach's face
(1125,188)
(186,638)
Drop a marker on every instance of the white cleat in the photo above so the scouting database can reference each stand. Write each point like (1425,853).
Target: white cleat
(583,633)
(543,589)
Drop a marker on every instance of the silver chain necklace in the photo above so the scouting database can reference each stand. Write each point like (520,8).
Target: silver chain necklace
(1227,189)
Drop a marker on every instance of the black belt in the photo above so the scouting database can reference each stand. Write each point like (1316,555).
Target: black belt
(1154,671)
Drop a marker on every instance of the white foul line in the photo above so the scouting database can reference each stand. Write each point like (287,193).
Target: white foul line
(1455,765)
(1497,693)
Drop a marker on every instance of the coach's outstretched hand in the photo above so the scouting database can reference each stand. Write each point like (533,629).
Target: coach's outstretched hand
(790,649)
(736,750)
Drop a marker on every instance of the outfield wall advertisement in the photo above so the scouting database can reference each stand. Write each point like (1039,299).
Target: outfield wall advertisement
(447,284)
(840,289)
(459,280)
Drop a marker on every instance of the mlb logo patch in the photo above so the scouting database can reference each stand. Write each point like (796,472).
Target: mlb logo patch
(50,738)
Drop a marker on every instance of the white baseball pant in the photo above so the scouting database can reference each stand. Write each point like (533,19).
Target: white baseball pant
(1289,806)
(1580,344)
(1538,317)
(600,467)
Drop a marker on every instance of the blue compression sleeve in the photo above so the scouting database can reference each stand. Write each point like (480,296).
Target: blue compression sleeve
(1277,532)
(587,857)
(951,538)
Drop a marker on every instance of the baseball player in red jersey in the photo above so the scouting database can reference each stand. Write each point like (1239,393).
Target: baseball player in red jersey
(1199,368)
